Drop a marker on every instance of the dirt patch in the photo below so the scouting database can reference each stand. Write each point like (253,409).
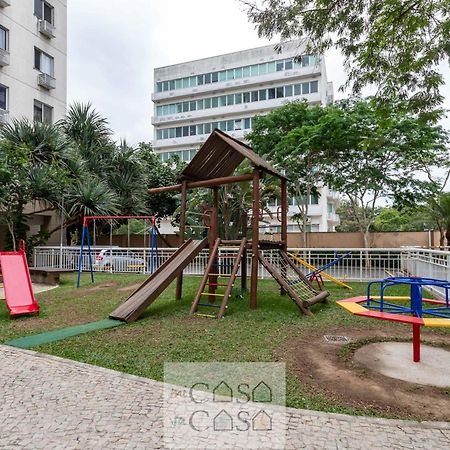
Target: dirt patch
(133,287)
(329,369)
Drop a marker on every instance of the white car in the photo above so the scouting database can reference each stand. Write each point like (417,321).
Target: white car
(119,260)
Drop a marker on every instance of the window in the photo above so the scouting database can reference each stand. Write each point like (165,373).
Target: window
(238,124)
(238,73)
(185,83)
(42,112)
(330,207)
(223,100)
(288,64)
(254,70)
(200,80)
(193,105)
(179,83)
(214,102)
(247,123)
(298,89)
(237,99)
(200,104)
(200,129)
(159,134)
(314,87)
(314,200)
(280,66)
(4,34)
(3,97)
(263,69)
(288,91)
(166,133)
(192,130)
(246,71)
(223,125)
(215,77)
(262,95)
(207,78)
(230,74)
(178,132)
(207,128)
(207,103)
(172,85)
(43,62)
(271,93)
(159,87)
(43,10)
(254,95)
(280,92)
(185,106)
(246,97)
(230,100)
(185,131)
(223,75)
(230,125)
(305,88)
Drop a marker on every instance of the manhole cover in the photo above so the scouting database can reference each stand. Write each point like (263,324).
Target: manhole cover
(335,339)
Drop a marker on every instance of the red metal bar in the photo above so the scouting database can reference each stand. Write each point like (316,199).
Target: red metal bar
(86,219)
(416,342)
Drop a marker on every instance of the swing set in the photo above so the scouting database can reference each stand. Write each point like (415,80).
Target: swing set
(86,239)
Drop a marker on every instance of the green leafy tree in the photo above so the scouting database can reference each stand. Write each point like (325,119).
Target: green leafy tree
(394,45)
(289,138)
(406,219)
(439,212)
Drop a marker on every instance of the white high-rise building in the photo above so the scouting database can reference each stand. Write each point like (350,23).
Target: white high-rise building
(33,59)
(191,99)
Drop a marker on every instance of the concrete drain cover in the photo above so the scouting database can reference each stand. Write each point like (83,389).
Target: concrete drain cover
(332,339)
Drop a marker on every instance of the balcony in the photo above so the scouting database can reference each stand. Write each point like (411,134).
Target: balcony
(4,58)
(4,3)
(4,117)
(333,217)
(46,28)
(46,81)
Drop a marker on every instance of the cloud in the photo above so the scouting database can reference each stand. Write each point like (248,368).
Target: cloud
(114,46)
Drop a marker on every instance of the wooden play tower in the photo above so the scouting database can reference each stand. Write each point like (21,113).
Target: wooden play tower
(212,167)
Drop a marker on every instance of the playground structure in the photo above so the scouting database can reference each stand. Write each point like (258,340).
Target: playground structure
(212,167)
(318,273)
(85,237)
(19,294)
(417,311)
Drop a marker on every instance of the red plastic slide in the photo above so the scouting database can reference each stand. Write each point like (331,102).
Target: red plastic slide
(17,283)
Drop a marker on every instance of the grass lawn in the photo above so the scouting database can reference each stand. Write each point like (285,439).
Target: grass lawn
(168,333)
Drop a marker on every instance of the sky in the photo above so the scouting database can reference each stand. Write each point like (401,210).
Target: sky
(114,46)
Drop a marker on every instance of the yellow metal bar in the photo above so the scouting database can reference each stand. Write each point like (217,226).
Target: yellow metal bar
(428,322)
(353,307)
(210,316)
(324,274)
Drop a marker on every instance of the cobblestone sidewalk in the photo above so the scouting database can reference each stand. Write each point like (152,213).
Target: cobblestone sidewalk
(48,402)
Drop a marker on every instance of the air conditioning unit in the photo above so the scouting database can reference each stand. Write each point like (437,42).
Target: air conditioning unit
(4,58)
(46,28)
(4,3)
(4,117)
(46,81)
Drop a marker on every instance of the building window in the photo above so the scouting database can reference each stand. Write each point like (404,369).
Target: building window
(3,98)
(314,200)
(43,10)
(42,112)
(4,38)
(44,62)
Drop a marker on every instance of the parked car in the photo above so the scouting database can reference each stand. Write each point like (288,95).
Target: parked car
(119,260)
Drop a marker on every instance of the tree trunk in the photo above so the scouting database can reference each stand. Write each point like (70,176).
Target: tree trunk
(447,236)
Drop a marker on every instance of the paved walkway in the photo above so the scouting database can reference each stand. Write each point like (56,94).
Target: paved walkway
(48,402)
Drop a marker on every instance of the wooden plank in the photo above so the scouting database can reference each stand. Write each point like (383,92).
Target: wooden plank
(255,241)
(137,303)
(179,288)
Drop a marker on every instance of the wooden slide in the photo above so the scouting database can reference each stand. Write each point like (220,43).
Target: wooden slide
(152,288)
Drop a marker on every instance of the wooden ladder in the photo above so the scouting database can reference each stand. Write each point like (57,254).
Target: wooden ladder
(216,273)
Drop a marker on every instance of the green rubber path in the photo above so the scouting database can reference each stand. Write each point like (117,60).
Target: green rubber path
(58,335)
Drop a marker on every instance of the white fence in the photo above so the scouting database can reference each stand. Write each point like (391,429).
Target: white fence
(360,265)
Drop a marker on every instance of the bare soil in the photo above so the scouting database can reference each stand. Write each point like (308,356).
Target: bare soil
(329,369)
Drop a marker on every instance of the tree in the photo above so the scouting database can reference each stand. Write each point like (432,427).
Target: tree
(439,211)
(394,45)
(33,162)
(289,137)
(372,157)
(405,219)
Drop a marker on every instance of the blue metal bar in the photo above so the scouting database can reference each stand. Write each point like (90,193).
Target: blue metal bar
(80,259)
(90,254)
(328,265)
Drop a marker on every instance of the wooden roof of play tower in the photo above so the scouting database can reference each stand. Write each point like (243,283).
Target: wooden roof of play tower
(219,157)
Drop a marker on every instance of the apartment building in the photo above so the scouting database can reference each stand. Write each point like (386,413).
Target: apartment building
(33,59)
(226,92)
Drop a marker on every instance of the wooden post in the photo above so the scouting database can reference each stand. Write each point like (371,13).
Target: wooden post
(255,241)
(179,288)
(284,214)
(244,254)
(213,235)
